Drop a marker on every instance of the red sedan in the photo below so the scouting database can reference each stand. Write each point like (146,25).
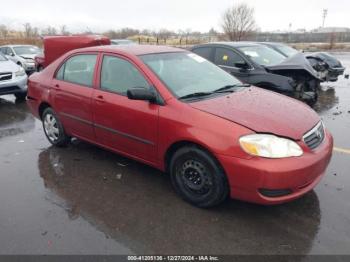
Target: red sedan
(176,111)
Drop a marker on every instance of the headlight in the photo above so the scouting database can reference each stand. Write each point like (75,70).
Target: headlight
(20,72)
(269,146)
(29,60)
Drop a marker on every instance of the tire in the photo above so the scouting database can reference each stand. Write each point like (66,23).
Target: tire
(197,177)
(21,96)
(53,128)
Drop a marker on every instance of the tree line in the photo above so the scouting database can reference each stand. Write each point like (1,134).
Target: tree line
(237,22)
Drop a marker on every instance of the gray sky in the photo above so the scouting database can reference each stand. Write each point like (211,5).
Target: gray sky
(199,15)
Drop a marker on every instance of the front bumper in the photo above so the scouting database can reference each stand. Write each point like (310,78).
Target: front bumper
(296,175)
(14,85)
(334,72)
(29,67)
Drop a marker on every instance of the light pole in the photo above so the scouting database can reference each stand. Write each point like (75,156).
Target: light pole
(324,15)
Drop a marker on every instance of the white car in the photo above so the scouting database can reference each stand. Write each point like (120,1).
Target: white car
(22,55)
(13,78)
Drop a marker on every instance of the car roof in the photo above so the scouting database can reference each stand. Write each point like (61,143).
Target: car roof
(133,49)
(272,43)
(234,44)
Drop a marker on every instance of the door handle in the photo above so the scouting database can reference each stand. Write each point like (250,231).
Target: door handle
(57,87)
(100,98)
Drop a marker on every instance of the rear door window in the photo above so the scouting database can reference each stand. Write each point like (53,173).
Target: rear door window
(78,69)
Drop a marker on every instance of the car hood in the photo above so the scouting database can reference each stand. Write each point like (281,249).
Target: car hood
(295,62)
(31,56)
(262,111)
(8,66)
(330,60)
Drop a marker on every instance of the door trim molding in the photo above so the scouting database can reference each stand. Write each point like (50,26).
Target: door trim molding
(114,131)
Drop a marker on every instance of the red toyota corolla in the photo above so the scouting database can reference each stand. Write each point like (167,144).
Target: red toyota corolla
(176,111)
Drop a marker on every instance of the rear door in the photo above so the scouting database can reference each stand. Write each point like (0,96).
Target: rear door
(229,60)
(73,88)
(125,125)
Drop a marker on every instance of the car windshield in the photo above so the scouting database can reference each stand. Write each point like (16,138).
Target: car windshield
(262,55)
(27,50)
(187,73)
(2,57)
(287,50)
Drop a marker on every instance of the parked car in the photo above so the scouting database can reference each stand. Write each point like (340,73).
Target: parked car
(122,42)
(174,110)
(326,64)
(22,55)
(55,46)
(264,67)
(13,78)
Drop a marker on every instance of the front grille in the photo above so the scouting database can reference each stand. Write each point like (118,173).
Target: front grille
(9,89)
(274,192)
(315,136)
(5,76)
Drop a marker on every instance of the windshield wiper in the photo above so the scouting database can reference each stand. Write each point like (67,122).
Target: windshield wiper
(230,88)
(224,89)
(197,94)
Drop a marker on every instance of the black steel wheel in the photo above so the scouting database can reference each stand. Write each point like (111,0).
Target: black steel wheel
(197,177)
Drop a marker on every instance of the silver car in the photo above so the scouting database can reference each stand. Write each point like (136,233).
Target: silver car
(13,78)
(22,55)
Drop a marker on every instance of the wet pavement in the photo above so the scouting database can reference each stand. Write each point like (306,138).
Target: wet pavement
(85,200)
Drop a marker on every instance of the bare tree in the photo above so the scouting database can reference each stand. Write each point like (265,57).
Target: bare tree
(63,30)
(4,31)
(238,22)
(35,32)
(49,31)
(28,30)
(164,33)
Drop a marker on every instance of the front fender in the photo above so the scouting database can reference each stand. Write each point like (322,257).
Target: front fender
(273,82)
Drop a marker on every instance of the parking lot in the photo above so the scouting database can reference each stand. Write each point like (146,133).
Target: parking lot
(85,200)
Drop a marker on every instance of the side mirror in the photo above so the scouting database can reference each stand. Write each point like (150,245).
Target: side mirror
(141,93)
(12,54)
(242,65)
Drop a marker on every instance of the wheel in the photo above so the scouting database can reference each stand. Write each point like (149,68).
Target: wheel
(53,128)
(197,177)
(21,96)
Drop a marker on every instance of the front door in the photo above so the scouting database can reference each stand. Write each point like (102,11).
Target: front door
(230,61)
(73,89)
(128,126)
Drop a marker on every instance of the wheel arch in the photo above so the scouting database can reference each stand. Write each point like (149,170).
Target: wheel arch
(42,108)
(183,143)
